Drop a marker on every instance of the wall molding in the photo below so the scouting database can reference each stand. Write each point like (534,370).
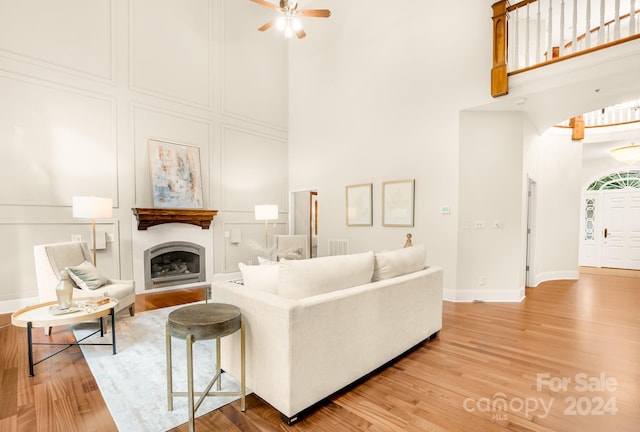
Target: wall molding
(11,306)
(77,92)
(159,94)
(223,146)
(556,275)
(110,78)
(224,111)
(134,106)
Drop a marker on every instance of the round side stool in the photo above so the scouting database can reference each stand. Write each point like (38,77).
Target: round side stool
(203,322)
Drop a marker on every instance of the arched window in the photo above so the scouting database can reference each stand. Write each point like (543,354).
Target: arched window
(629,179)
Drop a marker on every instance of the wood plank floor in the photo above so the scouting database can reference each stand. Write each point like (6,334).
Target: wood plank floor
(565,359)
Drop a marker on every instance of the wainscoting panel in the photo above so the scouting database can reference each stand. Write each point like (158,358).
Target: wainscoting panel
(75,35)
(171,49)
(254,66)
(148,122)
(247,242)
(58,139)
(17,265)
(254,170)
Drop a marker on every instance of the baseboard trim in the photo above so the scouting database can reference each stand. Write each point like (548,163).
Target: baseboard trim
(493,296)
(10,306)
(556,275)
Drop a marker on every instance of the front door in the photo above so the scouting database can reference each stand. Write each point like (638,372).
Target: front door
(621,233)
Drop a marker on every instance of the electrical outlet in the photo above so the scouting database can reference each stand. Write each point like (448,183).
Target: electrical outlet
(482,281)
(76,238)
(479,224)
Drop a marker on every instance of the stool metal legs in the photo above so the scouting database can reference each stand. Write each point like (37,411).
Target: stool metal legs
(169,371)
(217,379)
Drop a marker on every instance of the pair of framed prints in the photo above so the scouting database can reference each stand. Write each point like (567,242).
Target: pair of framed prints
(397,203)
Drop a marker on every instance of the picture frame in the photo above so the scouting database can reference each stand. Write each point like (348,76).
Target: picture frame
(176,179)
(359,209)
(398,203)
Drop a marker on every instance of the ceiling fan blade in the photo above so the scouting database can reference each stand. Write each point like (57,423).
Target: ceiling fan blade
(314,13)
(266,3)
(266,26)
(300,33)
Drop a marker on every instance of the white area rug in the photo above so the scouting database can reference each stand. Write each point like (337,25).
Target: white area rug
(134,381)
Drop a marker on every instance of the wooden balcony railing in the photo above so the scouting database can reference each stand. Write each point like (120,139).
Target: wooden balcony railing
(534,33)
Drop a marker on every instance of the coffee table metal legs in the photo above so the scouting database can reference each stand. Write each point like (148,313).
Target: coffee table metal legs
(31,343)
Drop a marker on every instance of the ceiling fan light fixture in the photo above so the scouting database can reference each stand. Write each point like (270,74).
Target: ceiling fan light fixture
(628,154)
(281,23)
(296,24)
(288,32)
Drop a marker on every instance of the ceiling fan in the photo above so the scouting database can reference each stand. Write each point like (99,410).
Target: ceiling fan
(289,21)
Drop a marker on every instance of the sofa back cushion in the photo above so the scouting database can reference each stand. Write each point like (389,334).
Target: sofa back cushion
(306,278)
(260,277)
(399,262)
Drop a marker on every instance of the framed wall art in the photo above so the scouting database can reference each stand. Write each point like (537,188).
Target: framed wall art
(175,175)
(398,203)
(359,211)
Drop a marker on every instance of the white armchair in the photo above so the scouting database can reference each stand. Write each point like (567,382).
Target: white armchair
(50,259)
(292,247)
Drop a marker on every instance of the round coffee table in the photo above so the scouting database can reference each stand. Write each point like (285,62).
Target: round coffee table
(202,322)
(47,315)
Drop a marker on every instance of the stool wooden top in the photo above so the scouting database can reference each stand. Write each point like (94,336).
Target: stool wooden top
(204,321)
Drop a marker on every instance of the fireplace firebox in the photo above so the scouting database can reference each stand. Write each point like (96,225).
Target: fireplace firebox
(173,263)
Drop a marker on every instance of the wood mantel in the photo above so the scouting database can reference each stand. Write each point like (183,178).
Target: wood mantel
(155,216)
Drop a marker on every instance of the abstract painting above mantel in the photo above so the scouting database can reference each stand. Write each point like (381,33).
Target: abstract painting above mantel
(175,175)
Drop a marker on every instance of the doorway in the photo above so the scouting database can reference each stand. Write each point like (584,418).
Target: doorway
(531,204)
(304,217)
(621,232)
(610,222)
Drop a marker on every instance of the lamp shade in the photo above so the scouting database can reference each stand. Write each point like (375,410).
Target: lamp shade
(91,207)
(628,154)
(266,212)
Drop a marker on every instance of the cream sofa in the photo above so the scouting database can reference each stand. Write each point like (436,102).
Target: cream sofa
(315,326)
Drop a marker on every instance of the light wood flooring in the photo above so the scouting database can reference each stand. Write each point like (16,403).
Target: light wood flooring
(565,359)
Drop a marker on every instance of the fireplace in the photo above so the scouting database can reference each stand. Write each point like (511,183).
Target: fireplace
(173,263)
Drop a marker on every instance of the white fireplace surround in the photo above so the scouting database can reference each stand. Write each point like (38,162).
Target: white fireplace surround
(169,232)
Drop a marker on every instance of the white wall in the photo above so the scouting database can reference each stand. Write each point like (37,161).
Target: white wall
(491,256)
(376,93)
(557,212)
(83,86)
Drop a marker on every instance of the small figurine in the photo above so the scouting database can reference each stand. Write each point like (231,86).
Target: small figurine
(408,242)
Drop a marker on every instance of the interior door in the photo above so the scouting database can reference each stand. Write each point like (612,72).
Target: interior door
(621,233)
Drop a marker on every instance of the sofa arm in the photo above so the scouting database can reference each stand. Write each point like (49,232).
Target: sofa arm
(267,320)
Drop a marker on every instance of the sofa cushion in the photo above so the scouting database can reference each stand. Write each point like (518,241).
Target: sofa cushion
(118,290)
(399,262)
(260,277)
(87,276)
(309,277)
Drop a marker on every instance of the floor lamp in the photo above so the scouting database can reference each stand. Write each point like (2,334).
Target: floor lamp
(266,213)
(90,207)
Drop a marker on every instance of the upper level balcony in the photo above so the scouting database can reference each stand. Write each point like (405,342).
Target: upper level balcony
(557,59)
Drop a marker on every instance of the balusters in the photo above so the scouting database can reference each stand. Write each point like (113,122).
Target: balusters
(616,26)
(542,30)
(574,36)
(601,30)
(538,35)
(587,31)
(550,33)
(632,17)
(527,50)
(561,41)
